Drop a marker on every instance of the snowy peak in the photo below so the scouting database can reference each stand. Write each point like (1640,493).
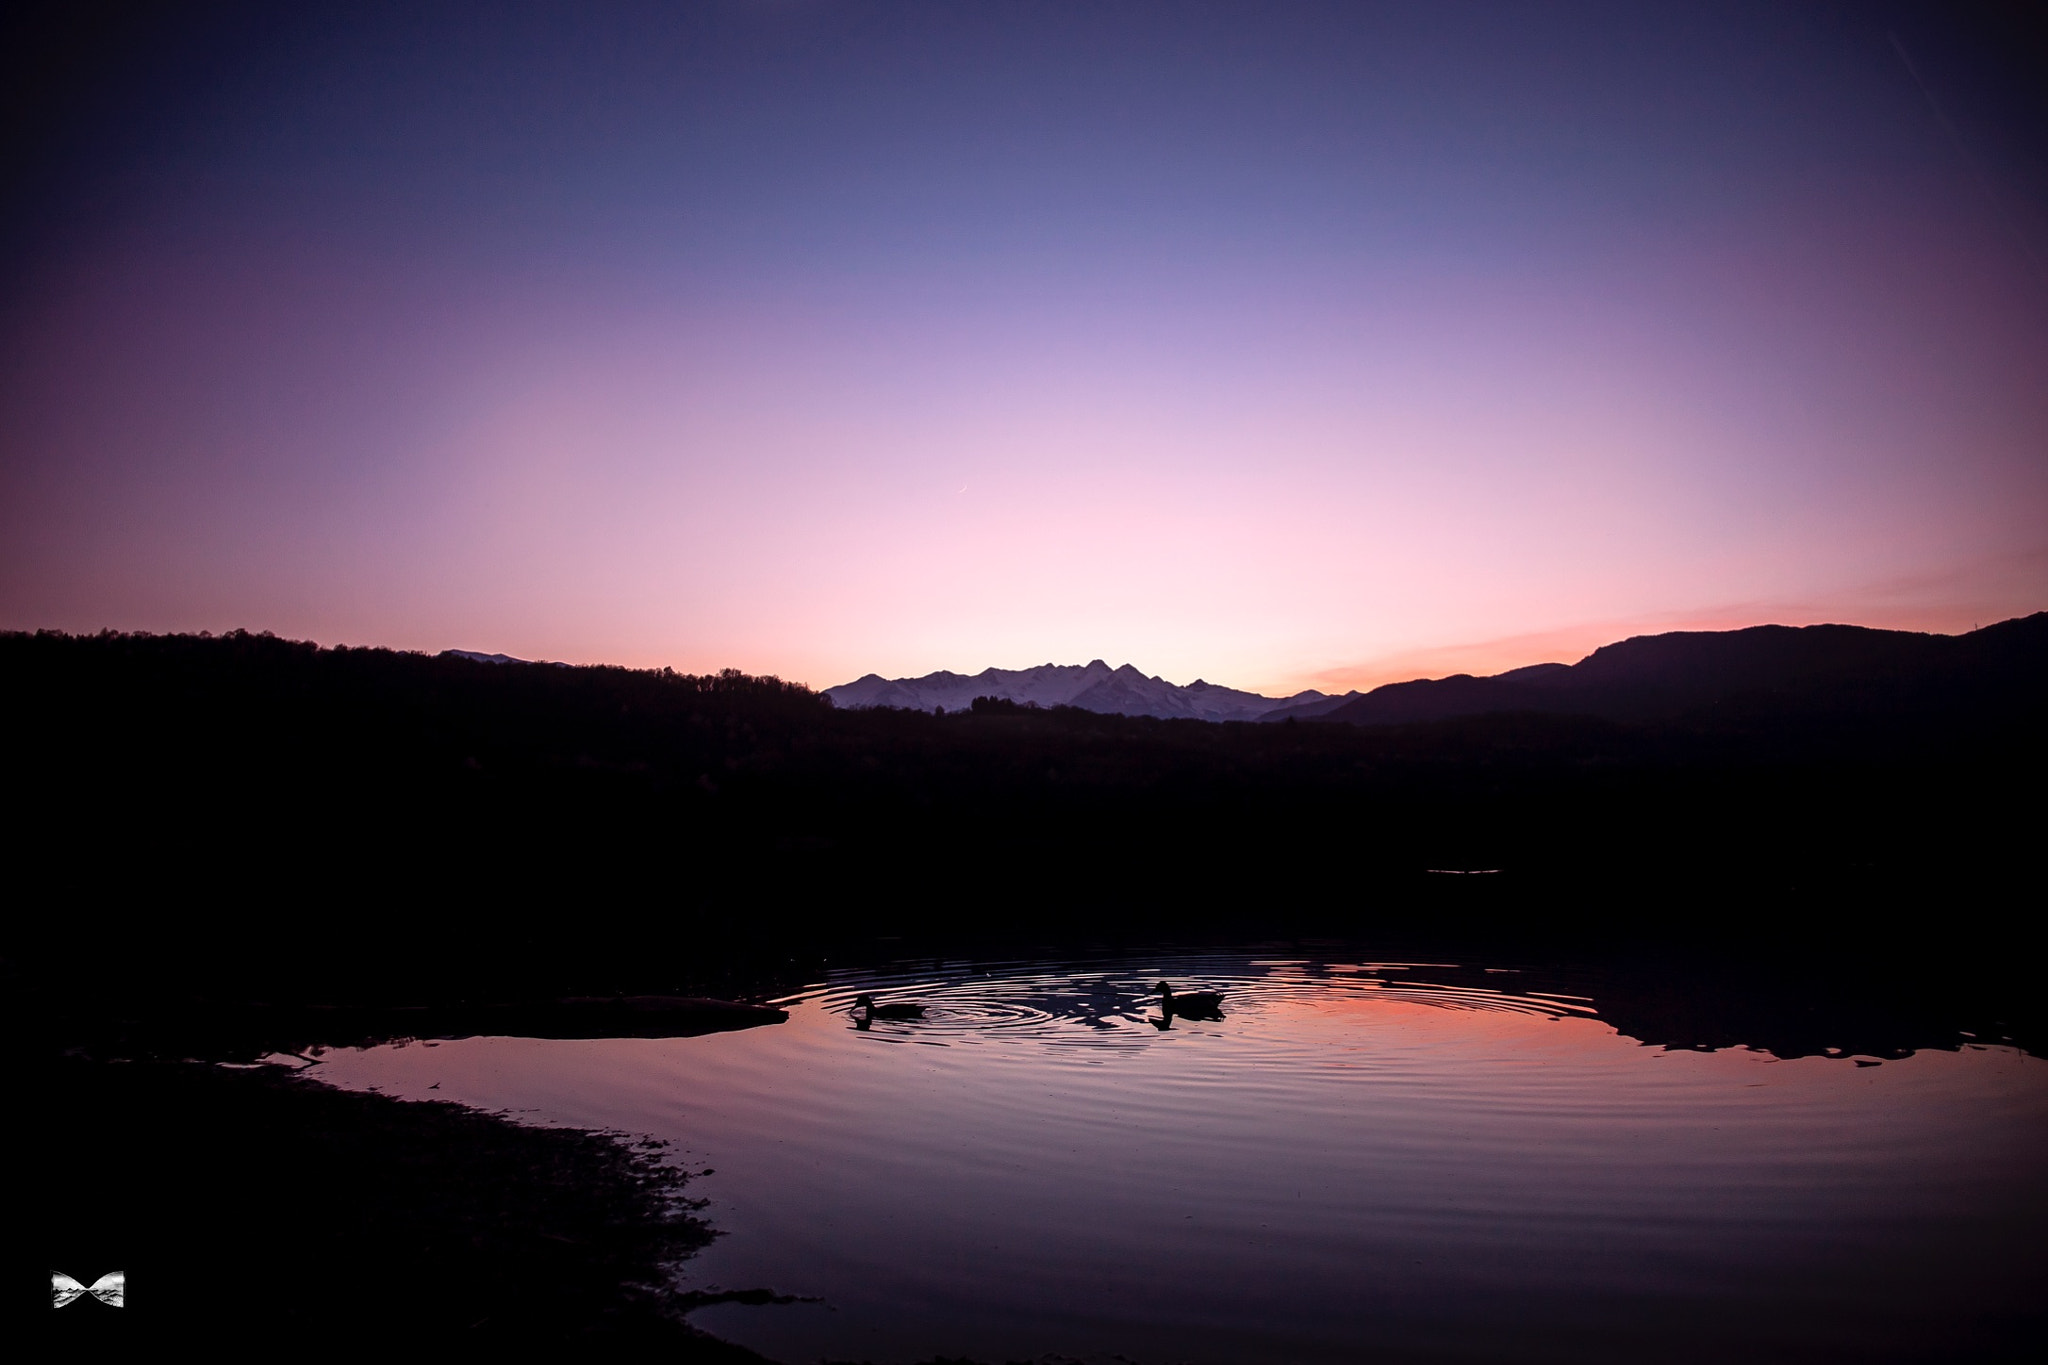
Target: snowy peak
(1094,686)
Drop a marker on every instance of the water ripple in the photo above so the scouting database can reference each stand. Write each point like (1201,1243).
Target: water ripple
(1114,1005)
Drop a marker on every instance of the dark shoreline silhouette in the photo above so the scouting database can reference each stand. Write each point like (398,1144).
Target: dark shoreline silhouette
(248,821)
(255,1210)
(245,817)
(245,1030)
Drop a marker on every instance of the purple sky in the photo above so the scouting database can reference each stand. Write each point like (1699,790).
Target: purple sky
(1278,345)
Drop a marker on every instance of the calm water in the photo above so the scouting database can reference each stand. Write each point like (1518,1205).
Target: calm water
(1359,1161)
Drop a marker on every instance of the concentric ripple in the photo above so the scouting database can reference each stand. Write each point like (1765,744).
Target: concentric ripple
(1115,1004)
(1359,1159)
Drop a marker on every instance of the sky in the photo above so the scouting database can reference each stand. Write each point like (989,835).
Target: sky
(1281,345)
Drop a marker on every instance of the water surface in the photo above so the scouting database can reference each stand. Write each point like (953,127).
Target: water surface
(1359,1160)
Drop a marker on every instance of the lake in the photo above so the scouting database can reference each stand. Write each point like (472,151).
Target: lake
(1358,1160)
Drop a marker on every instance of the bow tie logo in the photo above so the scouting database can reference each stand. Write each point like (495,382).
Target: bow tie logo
(110,1289)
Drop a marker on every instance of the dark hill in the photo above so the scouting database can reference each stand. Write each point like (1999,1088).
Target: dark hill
(1814,669)
(254,818)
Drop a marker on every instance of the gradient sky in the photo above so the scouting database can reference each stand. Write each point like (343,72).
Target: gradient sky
(1280,345)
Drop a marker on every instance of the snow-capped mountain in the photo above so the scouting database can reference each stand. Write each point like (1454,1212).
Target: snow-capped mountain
(1092,687)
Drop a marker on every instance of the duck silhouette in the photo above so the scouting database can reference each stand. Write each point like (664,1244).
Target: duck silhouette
(895,1009)
(1193,1005)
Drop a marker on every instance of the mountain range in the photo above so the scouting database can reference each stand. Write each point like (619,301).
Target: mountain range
(1092,687)
(1645,678)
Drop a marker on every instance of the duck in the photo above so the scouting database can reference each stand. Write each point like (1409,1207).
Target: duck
(1189,1005)
(895,1009)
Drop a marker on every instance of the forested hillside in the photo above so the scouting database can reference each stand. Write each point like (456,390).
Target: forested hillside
(240,808)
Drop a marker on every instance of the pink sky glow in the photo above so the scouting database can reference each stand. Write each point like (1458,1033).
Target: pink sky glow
(1273,457)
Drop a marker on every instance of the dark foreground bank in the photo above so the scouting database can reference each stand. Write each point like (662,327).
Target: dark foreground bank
(253,1208)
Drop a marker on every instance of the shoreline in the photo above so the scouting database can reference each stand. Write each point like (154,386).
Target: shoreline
(257,1205)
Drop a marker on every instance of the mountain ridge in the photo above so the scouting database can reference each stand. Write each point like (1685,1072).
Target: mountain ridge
(1093,686)
(1642,678)
(1660,677)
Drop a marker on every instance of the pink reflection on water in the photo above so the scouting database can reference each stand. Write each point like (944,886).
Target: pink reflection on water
(1347,1160)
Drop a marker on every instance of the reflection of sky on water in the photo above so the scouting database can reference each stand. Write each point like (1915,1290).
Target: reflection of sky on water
(1358,1156)
(1015,1002)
